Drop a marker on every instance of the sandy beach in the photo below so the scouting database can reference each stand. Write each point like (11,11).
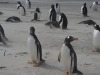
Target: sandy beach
(17,53)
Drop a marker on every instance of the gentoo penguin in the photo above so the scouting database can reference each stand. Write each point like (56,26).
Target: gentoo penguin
(52,13)
(57,7)
(2,33)
(96,38)
(13,19)
(35,48)
(28,4)
(37,14)
(22,10)
(95,6)
(68,57)
(53,24)
(63,21)
(84,10)
(89,22)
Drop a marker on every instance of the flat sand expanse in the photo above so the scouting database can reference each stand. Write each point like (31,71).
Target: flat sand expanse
(17,53)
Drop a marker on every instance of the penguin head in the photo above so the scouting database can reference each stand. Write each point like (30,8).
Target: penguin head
(52,6)
(69,39)
(96,27)
(32,30)
(38,9)
(19,2)
(84,4)
(56,4)
(96,2)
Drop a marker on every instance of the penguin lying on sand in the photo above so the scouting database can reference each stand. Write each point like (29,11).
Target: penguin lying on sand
(96,38)
(89,22)
(2,33)
(13,19)
(53,24)
(68,57)
(35,48)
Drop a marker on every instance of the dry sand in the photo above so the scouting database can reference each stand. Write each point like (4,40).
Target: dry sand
(17,53)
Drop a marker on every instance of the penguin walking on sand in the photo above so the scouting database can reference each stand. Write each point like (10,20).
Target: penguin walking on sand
(21,9)
(35,48)
(84,10)
(63,22)
(2,33)
(37,14)
(96,38)
(52,13)
(28,4)
(68,57)
(57,7)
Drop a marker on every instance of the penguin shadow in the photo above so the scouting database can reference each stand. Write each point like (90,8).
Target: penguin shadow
(7,45)
(37,20)
(51,67)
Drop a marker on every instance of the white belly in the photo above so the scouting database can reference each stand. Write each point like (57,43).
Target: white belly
(21,10)
(33,49)
(61,22)
(96,39)
(27,4)
(66,58)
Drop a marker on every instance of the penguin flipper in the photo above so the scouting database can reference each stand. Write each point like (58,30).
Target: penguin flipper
(59,57)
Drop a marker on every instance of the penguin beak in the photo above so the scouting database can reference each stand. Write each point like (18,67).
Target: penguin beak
(74,38)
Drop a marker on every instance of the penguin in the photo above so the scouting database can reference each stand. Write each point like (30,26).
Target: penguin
(28,4)
(89,22)
(35,48)
(57,7)
(21,9)
(94,6)
(53,24)
(63,21)
(52,13)
(2,33)
(37,14)
(68,57)
(84,10)
(13,19)
(96,38)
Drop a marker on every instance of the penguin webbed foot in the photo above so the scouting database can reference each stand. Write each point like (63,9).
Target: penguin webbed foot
(36,65)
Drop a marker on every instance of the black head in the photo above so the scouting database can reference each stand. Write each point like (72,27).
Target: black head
(97,27)
(56,4)
(38,9)
(52,6)
(69,39)
(84,4)
(19,2)
(32,30)
(96,2)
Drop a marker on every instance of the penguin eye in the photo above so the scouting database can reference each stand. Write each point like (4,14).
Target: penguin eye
(69,37)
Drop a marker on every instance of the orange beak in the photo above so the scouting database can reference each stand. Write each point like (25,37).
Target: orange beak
(75,38)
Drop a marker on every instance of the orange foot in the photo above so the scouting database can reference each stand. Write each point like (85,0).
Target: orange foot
(67,73)
(36,65)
